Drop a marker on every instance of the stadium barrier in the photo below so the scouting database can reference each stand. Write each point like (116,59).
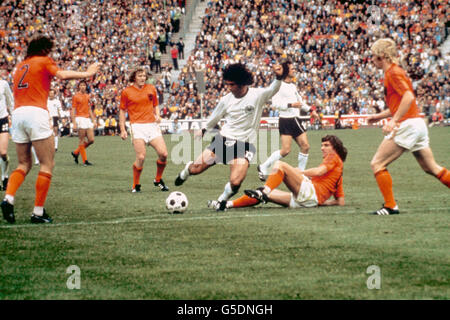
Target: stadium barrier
(328,122)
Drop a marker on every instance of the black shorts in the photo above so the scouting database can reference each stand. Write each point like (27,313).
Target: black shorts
(227,149)
(4,125)
(55,121)
(291,126)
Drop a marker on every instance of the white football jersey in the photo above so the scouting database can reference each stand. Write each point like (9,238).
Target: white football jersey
(54,107)
(6,99)
(288,94)
(242,116)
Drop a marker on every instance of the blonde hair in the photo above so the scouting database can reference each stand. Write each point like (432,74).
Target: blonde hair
(386,49)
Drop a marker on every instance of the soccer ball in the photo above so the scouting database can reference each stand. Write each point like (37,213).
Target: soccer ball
(177,202)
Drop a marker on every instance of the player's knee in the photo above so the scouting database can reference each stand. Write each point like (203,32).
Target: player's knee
(140,157)
(304,147)
(285,151)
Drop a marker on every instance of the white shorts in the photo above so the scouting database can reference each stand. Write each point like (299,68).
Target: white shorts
(412,135)
(84,123)
(30,124)
(145,131)
(306,197)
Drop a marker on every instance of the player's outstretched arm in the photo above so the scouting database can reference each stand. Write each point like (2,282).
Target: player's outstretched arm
(71,74)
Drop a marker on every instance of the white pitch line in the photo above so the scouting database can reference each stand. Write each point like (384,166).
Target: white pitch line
(179,217)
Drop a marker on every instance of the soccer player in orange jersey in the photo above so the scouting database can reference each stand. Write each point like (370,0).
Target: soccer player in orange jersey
(31,125)
(140,101)
(83,120)
(309,188)
(404,131)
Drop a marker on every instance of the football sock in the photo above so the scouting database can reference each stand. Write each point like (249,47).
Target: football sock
(136,175)
(56,142)
(384,181)
(83,152)
(444,177)
(42,186)
(184,174)
(4,164)
(302,160)
(275,156)
(244,201)
(227,192)
(273,181)
(77,151)
(159,169)
(15,181)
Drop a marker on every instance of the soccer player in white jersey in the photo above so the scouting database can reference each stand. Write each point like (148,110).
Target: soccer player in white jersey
(6,107)
(290,126)
(54,109)
(241,109)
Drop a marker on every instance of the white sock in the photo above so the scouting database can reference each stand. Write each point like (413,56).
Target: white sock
(9,198)
(227,192)
(271,160)
(56,142)
(4,166)
(302,160)
(184,174)
(39,211)
(229,204)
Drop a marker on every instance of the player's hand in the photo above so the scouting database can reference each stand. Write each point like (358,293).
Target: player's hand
(390,127)
(93,68)
(124,134)
(157,119)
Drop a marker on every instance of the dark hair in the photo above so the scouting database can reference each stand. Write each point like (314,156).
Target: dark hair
(135,72)
(39,46)
(238,74)
(81,82)
(285,64)
(337,144)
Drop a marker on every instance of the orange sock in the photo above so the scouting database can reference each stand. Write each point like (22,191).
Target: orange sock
(384,181)
(159,169)
(42,186)
(244,201)
(136,175)
(444,177)
(275,179)
(15,181)
(77,151)
(83,152)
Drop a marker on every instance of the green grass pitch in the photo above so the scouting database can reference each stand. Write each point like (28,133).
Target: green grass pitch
(127,246)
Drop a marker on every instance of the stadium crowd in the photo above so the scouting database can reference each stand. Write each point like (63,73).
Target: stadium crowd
(327,40)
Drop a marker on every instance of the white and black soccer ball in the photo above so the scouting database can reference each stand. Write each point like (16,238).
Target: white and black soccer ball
(177,202)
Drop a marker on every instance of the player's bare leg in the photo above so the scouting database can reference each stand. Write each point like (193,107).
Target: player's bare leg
(201,164)
(387,152)
(426,160)
(161,150)
(138,165)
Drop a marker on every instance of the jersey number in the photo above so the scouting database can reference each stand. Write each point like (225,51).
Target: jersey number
(23,85)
